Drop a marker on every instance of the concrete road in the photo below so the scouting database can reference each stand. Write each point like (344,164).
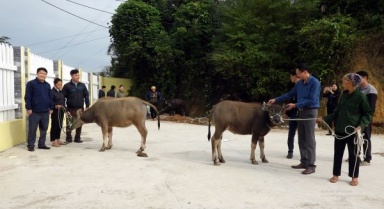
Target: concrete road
(179,173)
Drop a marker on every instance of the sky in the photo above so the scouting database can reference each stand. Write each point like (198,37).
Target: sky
(54,34)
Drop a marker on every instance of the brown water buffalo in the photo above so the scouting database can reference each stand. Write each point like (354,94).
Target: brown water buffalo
(116,112)
(242,118)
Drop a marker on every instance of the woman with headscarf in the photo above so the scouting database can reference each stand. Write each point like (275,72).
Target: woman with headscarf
(353,113)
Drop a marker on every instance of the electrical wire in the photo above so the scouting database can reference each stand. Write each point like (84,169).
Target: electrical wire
(90,7)
(74,14)
(43,42)
(72,45)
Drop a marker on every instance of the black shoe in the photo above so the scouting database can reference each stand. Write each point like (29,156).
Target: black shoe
(45,147)
(300,166)
(68,140)
(31,149)
(290,155)
(78,141)
(309,171)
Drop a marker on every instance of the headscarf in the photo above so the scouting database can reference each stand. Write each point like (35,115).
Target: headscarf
(354,78)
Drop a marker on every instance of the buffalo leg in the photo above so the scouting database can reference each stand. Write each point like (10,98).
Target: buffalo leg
(262,154)
(104,130)
(110,133)
(215,143)
(220,154)
(143,132)
(253,148)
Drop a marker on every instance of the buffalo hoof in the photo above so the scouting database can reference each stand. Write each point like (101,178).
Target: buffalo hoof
(109,147)
(254,162)
(102,150)
(222,160)
(142,154)
(265,160)
(216,163)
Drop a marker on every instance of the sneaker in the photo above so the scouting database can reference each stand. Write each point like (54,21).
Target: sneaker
(364,163)
(290,155)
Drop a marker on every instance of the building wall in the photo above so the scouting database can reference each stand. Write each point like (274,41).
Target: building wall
(13,130)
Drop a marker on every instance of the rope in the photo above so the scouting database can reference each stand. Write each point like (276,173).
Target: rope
(68,117)
(358,140)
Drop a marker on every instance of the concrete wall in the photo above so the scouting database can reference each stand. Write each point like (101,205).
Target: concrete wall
(108,82)
(14,130)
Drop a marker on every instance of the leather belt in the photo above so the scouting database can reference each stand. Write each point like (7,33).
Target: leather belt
(307,108)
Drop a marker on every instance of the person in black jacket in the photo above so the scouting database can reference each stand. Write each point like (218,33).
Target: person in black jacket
(111,92)
(76,94)
(39,105)
(333,94)
(292,114)
(102,92)
(58,113)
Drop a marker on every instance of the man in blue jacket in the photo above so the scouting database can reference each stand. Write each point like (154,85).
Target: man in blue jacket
(307,92)
(39,106)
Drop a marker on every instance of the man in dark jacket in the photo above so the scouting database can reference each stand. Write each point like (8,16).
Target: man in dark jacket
(39,105)
(102,92)
(76,94)
(292,114)
(111,92)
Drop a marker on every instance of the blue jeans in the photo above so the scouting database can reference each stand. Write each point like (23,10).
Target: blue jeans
(34,120)
(291,133)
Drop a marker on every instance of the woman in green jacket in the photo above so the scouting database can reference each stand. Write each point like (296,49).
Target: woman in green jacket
(353,113)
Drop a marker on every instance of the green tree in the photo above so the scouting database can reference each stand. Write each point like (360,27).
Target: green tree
(4,39)
(141,48)
(257,43)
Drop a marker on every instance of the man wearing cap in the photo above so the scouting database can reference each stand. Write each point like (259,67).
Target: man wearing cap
(307,92)
(153,97)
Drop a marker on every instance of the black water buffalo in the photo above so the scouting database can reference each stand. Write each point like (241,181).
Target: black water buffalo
(242,118)
(176,106)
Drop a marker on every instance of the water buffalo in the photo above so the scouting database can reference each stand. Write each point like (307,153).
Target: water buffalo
(176,105)
(116,112)
(242,118)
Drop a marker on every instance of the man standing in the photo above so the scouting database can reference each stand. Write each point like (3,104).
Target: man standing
(39,106)
(120,93)
(153,97)
(371,93)
(307,91)
(292,114)
(111,92)
(76,94)
(102,92)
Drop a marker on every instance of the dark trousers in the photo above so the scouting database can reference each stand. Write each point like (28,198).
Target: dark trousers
(367,143)
(153,111)
(330,110)
(353,160)
(34,120)
(291,133)
(69,131)
(306,136)
(56,124)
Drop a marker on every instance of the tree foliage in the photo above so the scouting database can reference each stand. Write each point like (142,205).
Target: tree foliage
(200,50)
